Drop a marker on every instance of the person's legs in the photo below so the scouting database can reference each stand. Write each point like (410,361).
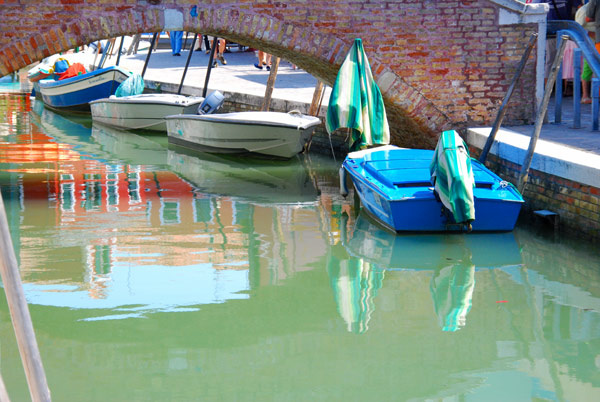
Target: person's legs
(586,76)
(176,39)
(221,50)
(261,60)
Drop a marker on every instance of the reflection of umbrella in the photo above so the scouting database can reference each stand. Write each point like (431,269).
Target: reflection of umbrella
(356,102)
(453,175)
(452,291)
(355,284)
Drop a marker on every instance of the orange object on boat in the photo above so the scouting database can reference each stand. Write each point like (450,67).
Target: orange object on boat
(74,70)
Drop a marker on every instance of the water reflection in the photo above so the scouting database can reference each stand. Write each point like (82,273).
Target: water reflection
(452,291)
(163,277)
(355,284)
(138,214)
(256,180)
(372,250)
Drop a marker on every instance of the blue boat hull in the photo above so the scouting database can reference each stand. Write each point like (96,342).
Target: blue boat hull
(394,188)
(76,93)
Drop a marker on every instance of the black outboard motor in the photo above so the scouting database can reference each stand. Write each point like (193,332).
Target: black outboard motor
(212,103)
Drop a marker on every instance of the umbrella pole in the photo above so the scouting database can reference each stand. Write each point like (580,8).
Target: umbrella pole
(210,64)
(187,63)
(270,84)
(149,53)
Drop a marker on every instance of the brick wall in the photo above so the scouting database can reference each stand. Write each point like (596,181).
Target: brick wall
(577,205)
(440,64)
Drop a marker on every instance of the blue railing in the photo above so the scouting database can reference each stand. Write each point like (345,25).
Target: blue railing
(586,47)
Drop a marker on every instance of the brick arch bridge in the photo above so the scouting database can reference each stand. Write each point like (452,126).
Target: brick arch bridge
(440,64)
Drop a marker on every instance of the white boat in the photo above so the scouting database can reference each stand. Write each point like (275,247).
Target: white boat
(275,134)
(144,111)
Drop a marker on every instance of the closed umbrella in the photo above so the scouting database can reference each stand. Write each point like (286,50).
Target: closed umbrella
(452,174)
(356,102)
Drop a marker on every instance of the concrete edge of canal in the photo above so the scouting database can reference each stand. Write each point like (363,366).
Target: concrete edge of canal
(563,184)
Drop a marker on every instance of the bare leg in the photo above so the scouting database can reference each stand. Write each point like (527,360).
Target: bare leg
(585,95)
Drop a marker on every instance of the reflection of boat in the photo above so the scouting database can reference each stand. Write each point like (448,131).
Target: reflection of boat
(103,143)
(128,147)
(71,129)
(259,180)
(387,250)
(144,111)
(269,133)
(394,185)
(453,260)
(75,93)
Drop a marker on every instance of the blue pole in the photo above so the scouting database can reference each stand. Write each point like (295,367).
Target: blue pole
(577,88)
(595,95)
(558,85)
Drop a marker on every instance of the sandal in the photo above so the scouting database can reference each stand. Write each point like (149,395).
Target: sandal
(586,101)
(257,66)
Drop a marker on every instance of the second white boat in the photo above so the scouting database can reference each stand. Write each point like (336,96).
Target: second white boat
(145,111)
(275,134)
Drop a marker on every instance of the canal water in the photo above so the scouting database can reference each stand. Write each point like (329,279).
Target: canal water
(156,275)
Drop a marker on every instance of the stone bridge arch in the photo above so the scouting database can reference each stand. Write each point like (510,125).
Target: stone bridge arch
(440,65)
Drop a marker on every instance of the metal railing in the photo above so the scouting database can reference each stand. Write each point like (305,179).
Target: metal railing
(586,50)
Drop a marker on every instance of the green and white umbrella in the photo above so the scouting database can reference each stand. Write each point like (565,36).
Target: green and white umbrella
(356,102)
(452,173)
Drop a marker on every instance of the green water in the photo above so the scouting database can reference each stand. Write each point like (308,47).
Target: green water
(155,275)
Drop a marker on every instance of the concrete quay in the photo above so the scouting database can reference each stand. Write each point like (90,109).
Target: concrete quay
(565,179)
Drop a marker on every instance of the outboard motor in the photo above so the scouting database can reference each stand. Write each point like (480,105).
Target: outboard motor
(212,103)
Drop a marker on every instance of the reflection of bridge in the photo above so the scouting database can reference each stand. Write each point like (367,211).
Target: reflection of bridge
(439,64)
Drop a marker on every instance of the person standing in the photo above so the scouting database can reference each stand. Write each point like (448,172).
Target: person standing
(176,41)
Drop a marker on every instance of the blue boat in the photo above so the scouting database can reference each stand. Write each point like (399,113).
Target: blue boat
(75,93)
(395,187)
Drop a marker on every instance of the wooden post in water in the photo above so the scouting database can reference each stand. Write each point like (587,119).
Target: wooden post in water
(316,99)
(502,110)
(211,59)
(3,394)
(19,313)
(149,53)
(270,84)
(134,44)
(187,63)
(96,56)
(120,50)
(539,120)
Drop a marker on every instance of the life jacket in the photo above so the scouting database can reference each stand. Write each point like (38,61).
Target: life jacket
(74,70)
